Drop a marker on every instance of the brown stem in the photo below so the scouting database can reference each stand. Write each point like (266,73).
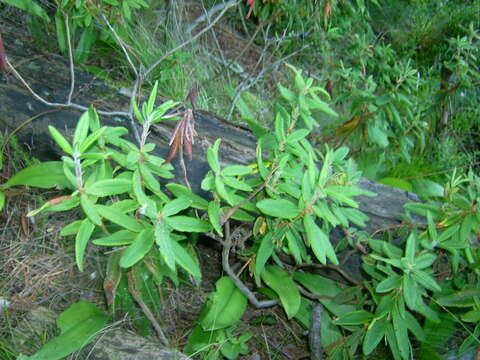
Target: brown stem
(227,244)
(146,310)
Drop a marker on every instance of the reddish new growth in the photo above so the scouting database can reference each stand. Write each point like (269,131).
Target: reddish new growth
(3,57)
(250,3)
(184,132)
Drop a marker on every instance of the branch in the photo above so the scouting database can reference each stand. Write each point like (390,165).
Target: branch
(122,45)
(70,59)
(333,267)
(208,14)
(314,334)
(232,210)
(227,244)
(146,310)
(59,105)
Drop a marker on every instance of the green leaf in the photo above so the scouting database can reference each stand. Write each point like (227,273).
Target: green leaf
(81,130)
(164,242)
(91,139)
(140,246)
(185,260)
(117,217)
(30,7)
(426,280)
(226,306)
(317,104)
(358,317)
(79,325)
(152,98)
(60,140)
(397,183)
(339,193)
(89,210)
(297,135)
(236,170)
(282,283)
(263,254)
(220,188)
(236,184)
(110,187)
(295,245)
(401,335)
(175,206)
(182,191)
(286,93)
(327,289)
(214,216)
(81,240)
(280,208)
(355,216)
(323,212)
(321,246)
(188,224)
(2,200)
(411,292)
(464,298)
(212,156)
(45,175)
(389,284)
(137,188)
(410,248)
(466,228)
(119,238)
(375,333)
(377,135)
(71,229)
(83,51)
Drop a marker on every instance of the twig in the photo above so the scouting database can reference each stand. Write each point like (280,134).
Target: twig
(70,59)
(60,105)
(232,210)
(122,45)
(315,332)
(394,226)
(333,267)
(146,310)
(207,15)
(227,244)
(184,169)
(309,295)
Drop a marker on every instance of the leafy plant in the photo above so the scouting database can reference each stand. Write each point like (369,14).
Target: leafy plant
(79,325)
(292,197)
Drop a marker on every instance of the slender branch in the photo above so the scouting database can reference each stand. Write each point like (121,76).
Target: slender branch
(59,105)
(315,332)
(184,169)
(309,295)
(333,267)
(232,210)
(207,15)
(70,59)
(122,45)
(227,244)
(146,310)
